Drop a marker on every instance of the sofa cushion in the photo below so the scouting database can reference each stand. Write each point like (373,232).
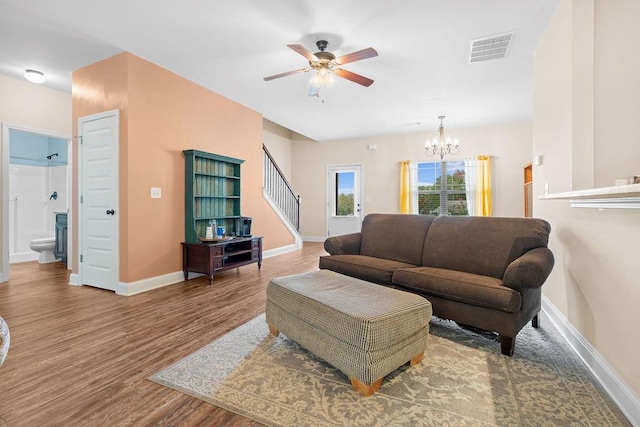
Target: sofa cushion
(481,245)
(397,237)
(371,269)
(473,289)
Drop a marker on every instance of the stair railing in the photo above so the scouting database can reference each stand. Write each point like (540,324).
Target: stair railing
(281,192)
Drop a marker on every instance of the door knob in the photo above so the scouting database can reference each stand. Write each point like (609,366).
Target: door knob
(111,212)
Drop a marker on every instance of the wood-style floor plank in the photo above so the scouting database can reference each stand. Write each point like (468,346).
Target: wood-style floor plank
(82,356)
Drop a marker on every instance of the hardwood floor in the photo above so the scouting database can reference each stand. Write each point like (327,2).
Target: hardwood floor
(81,356)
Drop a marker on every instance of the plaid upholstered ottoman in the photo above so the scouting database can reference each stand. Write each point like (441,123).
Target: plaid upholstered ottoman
(365,330)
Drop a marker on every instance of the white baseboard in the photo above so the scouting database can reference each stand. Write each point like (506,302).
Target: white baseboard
(23,257)
(74,279)
(139,286)
(279,251)
(318,239)
(622,395)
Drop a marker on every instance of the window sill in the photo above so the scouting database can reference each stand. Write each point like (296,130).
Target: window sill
(618,197)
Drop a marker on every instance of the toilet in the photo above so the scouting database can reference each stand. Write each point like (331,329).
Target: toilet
(45,247)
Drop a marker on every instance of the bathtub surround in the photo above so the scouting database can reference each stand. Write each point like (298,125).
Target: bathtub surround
(37,171)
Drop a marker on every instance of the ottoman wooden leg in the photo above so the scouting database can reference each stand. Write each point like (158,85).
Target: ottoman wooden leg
(362,388)
(273,330)
(416,359)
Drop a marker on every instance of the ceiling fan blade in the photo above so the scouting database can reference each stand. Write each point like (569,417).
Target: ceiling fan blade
(356,78)
(304,52)
(357,56)
(288,73)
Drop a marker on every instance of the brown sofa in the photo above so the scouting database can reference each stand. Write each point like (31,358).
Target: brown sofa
(485,272)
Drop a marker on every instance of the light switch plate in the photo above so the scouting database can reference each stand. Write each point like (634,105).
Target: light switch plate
(156,193)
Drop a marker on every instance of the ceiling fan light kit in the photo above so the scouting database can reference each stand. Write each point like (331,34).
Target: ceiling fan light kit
(327,66)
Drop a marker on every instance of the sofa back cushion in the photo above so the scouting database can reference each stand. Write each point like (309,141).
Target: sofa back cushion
(397,237)
(482,245)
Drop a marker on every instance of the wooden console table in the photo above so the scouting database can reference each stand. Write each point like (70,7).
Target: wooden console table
(209,258)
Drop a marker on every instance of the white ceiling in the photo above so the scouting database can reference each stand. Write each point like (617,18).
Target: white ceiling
(422,70)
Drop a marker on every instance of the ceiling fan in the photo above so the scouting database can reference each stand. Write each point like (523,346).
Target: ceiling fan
(327,66)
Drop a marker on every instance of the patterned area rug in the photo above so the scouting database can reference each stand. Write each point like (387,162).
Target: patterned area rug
(463,380)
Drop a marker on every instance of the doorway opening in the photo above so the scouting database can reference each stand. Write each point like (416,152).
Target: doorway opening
(36,184)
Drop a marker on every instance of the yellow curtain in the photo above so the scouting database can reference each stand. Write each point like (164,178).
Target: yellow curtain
(483,186)
(405,188)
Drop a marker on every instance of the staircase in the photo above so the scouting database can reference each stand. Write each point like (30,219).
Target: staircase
(280,195)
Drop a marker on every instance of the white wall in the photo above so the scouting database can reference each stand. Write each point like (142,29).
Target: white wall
(277,139)
(509,143)
(585,123)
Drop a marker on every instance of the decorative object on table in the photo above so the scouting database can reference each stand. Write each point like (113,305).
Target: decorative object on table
(636,179)
(215,239)
(209,232)
(462,380)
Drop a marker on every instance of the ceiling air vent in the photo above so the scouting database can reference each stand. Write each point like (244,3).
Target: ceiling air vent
(488,48)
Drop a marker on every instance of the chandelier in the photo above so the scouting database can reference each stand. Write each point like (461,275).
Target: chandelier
(440,145)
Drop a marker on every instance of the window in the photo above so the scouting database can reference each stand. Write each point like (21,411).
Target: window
(345,200)
(448,196)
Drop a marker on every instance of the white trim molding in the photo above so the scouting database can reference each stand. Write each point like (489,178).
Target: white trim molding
(622,395)
(296,235)
(318,239)
(144,285)
(279,251)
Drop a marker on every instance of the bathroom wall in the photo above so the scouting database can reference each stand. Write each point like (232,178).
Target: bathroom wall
(33,178)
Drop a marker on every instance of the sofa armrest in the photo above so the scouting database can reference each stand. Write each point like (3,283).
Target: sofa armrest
(530,270)
(346,244)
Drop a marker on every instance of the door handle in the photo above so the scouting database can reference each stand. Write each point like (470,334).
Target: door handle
(110,212)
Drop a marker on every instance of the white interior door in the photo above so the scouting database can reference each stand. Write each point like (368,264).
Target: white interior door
(344,202)
(99,225)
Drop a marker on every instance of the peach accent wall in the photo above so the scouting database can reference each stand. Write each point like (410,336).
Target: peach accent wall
(161,115)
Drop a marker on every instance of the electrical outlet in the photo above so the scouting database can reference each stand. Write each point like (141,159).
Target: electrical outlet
(156,193)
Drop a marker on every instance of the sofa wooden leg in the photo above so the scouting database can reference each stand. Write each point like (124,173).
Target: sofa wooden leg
(274,331)
(364,389)
(507,345)
(535,322)
(416,359)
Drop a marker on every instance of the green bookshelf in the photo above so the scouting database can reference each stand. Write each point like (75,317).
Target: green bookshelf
(212,192)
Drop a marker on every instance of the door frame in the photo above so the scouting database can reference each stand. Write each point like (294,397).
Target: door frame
(360,173)
(78,280)
(6,127)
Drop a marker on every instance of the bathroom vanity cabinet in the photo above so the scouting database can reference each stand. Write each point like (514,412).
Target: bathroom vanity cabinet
(60,250)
